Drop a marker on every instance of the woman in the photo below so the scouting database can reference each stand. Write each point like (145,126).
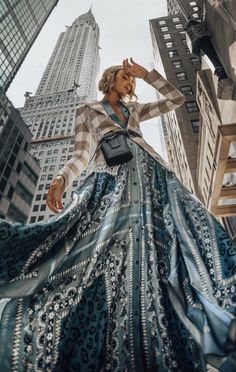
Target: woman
(134,274)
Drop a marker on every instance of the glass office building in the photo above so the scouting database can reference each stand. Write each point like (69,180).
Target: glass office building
(19,171)
(20,24)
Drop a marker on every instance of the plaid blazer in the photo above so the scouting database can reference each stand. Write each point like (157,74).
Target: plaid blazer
(92,123)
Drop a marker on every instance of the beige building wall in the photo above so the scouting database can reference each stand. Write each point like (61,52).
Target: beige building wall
(217,141)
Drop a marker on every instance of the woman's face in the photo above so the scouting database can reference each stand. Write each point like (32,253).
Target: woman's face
(123,83)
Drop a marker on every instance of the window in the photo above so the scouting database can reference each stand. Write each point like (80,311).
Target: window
(43,207)
(167,36)
(45,196)
(38,197)
(195,60)
(176,19)
(195,15)
(173,53)
(177,64)
(35,208)
(181,76)
(28,171)
(192,3)
(18,168)
(10,192)
(7,171)
(170,44)
(192,106)
(195,125)
(23,193)
(186,90)
(32,219)
(179,26)
(40,218)
(41,187)
(162,23)
(164,29)
(50,177)
(16,215)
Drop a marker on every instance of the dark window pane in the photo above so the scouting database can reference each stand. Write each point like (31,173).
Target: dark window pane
(16,149)
(10,192)
(7,171)
(23,193)
(3,184)
(186,90)
(30,173)
(195,125)
(16,215)
(18,168)
(12,160)
(192,106)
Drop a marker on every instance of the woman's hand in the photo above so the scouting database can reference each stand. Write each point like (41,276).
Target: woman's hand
(55,193)
(134,69)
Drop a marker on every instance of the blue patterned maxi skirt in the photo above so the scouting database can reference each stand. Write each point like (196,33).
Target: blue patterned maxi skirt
(134,275)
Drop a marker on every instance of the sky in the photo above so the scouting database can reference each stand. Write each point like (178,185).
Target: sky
(124,33)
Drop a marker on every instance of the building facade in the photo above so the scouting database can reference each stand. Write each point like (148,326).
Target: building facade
(172,56)
(19,171)
(217,102)
(20,24)
(187,8)
(75,60)
(69,80)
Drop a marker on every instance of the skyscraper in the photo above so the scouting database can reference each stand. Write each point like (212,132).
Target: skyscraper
(20,24)
(174,58)
(19,171)
(187,8)
(68,81)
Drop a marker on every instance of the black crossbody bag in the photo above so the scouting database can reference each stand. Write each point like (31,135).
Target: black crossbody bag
(115,148)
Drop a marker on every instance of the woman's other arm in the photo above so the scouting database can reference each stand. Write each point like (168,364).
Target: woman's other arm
(75,166)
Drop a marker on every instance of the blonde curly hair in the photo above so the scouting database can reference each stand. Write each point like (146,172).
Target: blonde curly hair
(107,81)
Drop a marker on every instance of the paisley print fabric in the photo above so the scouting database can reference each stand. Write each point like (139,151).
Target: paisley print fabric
(134,275)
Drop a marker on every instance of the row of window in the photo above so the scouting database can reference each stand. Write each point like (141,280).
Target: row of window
(55,151)
(178,26)
(51,144)
(42,186)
